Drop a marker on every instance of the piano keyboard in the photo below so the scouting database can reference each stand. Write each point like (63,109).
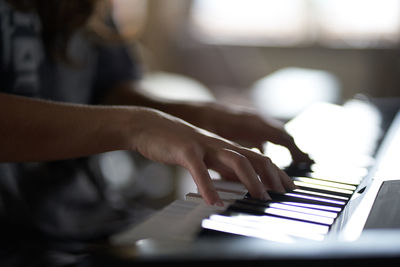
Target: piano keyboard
(326,201)
(307,212)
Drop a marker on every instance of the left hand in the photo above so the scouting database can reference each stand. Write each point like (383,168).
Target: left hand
(246,127)
(240,125)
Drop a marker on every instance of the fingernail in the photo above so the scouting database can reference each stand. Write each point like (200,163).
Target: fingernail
(219,203)
(266,196)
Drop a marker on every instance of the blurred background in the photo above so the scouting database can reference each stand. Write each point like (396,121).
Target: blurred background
(278,56)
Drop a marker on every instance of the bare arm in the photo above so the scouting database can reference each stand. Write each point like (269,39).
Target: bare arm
(33,130)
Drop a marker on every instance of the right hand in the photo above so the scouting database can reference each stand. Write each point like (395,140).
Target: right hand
(167,139)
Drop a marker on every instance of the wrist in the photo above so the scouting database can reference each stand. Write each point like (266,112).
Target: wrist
(135,123)
(192,112)
(126,125)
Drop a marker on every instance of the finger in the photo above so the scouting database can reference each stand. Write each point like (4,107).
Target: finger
(298,156)
(281,137)
(261,148)
(201,177)
(226,174)
(257,143)
(244,170)
(268,172)
(257,149)
(286,180)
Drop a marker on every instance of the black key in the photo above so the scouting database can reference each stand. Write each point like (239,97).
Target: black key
(302,198)
(328,186)
(301,169)
(320,193)
(284,206)
(351,181)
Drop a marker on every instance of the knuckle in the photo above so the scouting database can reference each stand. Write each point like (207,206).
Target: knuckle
(287,138)
(240,160)
(266,161)
(189,150)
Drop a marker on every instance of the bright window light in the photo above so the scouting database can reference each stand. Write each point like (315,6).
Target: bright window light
(280,21)
(359,22)
(355,23)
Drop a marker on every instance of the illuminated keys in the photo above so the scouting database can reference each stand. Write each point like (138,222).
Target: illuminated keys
(310,191)
(264,227)
(325,183)
(291,213)
(312,198)
(317,212)
(306,212)
(323,188)
(313,206)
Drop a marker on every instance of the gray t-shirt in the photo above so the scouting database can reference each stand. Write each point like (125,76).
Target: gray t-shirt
(59,198)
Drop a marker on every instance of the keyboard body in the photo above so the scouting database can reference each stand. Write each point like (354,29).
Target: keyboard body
(341,209)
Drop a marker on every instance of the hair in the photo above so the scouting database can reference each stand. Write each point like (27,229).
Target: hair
(60,19)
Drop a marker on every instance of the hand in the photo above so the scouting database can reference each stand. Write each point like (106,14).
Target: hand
(240,125)
(167,139)
(246,127)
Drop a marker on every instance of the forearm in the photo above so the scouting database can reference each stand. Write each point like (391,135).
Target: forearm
(132,94)
(36,130)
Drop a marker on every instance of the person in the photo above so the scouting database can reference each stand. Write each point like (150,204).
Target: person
(67,94)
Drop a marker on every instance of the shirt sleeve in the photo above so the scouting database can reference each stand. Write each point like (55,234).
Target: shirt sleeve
(116,63)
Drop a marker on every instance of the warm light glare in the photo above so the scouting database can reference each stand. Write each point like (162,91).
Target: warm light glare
(226,19)
(357,23)
(288,91)
(353,128)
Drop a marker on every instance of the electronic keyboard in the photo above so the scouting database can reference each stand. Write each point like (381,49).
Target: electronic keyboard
(352,188)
